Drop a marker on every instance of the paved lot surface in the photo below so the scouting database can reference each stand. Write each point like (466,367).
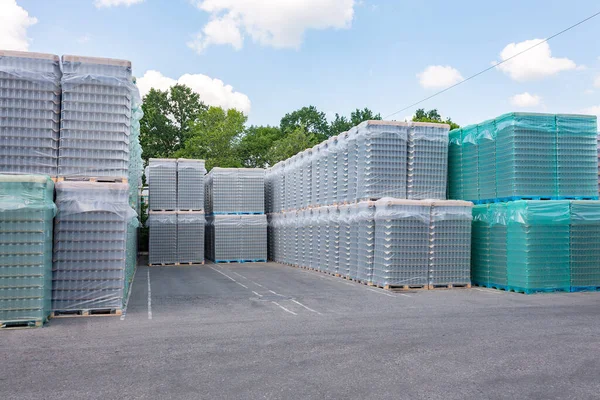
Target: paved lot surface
(268,331)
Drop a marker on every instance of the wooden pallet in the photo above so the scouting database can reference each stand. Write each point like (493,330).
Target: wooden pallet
(451,286)
(190,211)
(100,179)
(402,288)
(21,324)
(104,312)
(165,211)
(162,264)
(183,264)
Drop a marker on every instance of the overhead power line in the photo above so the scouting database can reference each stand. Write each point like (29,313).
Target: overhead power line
(495,65)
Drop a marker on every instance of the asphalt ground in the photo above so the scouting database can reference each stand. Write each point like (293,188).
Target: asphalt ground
(269,331)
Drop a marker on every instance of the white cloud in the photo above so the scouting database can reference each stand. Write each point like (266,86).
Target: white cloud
(212,91)
(597,82)
(217,31)
(276,23)
(439,76)
(525,100)
(594,110)
(116,3)
(14,21)
(536,63)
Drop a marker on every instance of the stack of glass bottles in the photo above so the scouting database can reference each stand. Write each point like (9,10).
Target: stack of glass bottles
(525,156)
(26,218)
(95,117)
(90,234)
(30,111)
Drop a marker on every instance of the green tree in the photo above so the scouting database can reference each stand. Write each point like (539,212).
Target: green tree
(255,144)
(167,117)
(214,136)
(342,124)
(433,116)
(158,134)
(312,120)
(291,144)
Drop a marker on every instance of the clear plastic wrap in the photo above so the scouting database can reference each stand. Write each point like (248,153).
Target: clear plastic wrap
(237,238)
(236,190)
(30,92)
(161,174)
(90,236)
(402,249)
(98,96)
(382,159)
(190,184)
(190,237)
(26,218)
(162,238)
(427,169)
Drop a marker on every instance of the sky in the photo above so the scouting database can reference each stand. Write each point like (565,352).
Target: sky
(270,57)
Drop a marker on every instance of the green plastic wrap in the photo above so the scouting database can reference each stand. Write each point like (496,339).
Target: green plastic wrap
(469,162)
(455,170)
(26,219)
(480,246)
(538,246)
(486,159)
(497,218)
(585,245)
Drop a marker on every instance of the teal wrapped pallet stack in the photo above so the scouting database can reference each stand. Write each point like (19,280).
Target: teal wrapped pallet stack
(497,218)
(576,156)
(585,245)
(27,211)
(480,246)
(538,246)
(525,156)
(486,159)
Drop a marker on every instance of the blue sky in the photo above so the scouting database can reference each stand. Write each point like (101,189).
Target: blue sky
(270,57)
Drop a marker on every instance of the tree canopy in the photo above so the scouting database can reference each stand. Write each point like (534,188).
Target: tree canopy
(177,123)
(433,116)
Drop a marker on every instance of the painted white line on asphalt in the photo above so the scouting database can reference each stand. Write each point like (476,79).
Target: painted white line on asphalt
(308,308)
(128,295)
(258,294)
(381,292)
(248,279)
(272,292)
(149,297)
(240,275)
(283,308)
(242,285)
(224,274)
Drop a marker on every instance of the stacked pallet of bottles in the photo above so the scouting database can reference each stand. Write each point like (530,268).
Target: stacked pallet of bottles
(29,132)
(236,229)
(176,218)
(90,247)
(535,183)
(26,216)
(331,208)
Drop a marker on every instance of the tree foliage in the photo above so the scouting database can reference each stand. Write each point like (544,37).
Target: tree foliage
(177,123)
(342,124)
(255,145)
(213,138)
(433,116)
(312,120)
(292,143)
(167,118)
